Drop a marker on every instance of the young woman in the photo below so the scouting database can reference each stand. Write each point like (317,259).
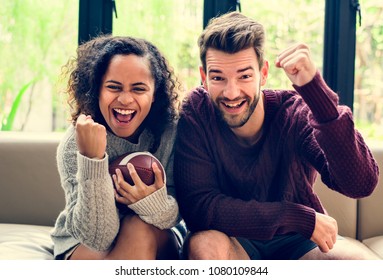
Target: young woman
(124,99)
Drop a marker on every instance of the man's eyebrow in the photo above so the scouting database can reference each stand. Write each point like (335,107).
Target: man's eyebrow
(245,69)
(238,71)
(214,71)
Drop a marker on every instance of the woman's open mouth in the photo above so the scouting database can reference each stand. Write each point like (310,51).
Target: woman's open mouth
(124,116)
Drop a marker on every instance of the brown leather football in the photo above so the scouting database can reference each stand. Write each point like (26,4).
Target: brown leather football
(142,162)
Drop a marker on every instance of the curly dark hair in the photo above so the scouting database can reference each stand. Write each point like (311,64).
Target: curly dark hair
(87,69)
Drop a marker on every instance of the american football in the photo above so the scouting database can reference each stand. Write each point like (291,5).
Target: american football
(142,162)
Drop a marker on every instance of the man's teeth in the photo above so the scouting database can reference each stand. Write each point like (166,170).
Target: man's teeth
(124,112)
(233,105)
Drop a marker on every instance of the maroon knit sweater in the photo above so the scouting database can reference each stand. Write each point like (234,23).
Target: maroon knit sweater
(265,190)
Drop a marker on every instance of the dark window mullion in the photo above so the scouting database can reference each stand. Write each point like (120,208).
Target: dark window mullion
(95,17)
(339,48)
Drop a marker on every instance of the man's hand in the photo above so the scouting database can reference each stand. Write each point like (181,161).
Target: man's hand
(325,232)
(91,137)
(297,63)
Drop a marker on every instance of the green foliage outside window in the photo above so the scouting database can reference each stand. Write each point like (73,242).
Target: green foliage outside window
(368,94)
(36,37)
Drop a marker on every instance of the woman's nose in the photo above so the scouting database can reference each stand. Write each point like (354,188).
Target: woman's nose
(125,97)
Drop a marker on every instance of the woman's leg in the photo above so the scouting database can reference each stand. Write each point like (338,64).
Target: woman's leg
(136,240)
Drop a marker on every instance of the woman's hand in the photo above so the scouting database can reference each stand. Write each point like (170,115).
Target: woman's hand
(128,194)
(90,137)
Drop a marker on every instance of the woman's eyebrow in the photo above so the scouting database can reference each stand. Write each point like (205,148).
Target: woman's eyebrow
(112,81)
(139,84)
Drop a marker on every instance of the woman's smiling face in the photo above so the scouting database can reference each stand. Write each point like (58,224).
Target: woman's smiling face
(126,94)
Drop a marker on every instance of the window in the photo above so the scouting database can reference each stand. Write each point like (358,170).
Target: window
(368,93)
(172,25)
(36,38)
(288,22)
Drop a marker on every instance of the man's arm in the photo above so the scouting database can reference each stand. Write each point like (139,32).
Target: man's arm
(349,167)
(347,164)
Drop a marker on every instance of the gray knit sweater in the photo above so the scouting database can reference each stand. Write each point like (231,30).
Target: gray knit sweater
(90,216)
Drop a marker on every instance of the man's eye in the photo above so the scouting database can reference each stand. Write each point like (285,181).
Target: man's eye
(245,77)
(217,78)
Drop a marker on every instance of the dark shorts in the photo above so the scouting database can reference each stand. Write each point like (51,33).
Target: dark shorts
(281,247)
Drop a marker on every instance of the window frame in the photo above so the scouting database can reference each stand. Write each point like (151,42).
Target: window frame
(95,17)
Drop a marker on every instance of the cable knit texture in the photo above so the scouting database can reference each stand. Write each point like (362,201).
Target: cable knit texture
(265,190)
(90,216)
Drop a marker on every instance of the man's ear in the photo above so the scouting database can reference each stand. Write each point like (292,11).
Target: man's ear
(264,72)
(203,77)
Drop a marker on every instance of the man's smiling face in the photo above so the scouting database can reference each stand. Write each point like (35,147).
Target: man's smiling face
(234,82)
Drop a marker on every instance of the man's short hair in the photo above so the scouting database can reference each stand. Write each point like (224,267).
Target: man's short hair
(231,33)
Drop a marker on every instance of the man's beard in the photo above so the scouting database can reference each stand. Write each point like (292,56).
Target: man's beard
(238,121)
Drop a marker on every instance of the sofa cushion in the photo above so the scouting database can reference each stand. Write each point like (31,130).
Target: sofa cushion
(375,244)
(364,247)
(22,242)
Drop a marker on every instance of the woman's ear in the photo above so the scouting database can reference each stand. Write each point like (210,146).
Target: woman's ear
(203,77)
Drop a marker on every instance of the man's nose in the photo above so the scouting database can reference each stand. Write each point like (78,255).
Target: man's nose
(231,90)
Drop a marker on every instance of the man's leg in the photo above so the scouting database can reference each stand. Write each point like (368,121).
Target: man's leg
(343,250)
(213,245)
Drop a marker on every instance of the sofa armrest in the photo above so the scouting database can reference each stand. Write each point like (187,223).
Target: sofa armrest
(370,209)
(340,207)
(359,219)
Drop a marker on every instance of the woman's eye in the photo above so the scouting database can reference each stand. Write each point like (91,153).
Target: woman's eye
(139,89)
(114,87)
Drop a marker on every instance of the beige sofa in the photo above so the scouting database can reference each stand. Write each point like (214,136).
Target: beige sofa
(31,198)
(360,220)
(30,194)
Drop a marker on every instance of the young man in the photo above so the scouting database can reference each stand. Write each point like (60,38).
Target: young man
(246,159)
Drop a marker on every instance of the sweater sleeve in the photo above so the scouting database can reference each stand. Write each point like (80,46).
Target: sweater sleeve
(91,214)
(338,150)
(158,209)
